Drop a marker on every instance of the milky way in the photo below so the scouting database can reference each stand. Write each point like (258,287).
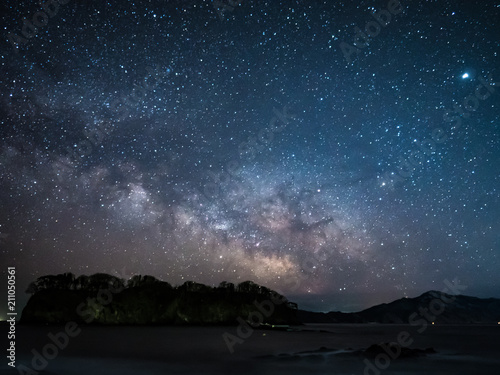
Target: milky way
(303,146)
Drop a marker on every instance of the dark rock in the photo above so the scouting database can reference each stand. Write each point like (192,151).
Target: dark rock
(323,349)
(396,351)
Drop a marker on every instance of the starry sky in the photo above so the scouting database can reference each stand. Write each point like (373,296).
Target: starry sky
(304,145)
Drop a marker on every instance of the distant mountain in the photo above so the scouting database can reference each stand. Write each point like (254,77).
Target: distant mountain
(105,299)
(432,306)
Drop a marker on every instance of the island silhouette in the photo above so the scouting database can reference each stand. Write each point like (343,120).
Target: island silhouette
(146,300)
(107,299)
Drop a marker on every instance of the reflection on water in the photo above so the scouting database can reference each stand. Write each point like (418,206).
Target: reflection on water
(311,349)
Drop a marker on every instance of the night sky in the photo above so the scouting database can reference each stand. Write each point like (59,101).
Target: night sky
(272,141)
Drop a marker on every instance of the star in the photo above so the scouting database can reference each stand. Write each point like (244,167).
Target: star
(236,143)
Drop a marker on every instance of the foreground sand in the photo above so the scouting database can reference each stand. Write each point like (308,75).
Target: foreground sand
(202,350)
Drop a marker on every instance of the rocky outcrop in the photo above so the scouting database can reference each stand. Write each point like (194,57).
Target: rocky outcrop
(398,351)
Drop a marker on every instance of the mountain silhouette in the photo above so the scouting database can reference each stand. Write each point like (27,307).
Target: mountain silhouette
(432,306)
(106,299)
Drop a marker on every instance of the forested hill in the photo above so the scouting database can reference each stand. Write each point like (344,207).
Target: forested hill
(106,299)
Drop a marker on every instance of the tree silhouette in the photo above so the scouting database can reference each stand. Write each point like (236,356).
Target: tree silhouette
(147,300)
(81,282)
(139,280)
(248,287)
(226,286)
(191,286)
(63,281)
(100,281)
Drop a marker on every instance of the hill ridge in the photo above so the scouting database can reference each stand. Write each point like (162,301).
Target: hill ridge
(434,306)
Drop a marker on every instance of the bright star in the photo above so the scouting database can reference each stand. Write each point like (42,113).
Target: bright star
(465,75)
